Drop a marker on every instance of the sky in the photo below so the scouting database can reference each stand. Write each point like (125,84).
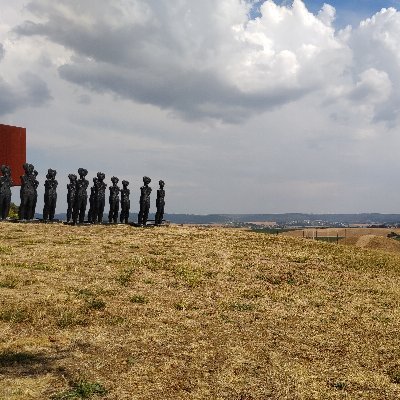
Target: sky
(239,106)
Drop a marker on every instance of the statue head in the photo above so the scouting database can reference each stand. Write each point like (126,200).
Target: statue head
(51,173)
(72,177)
(95,179)
(146,180)
(25,166)
(82,172)
(5,170)
(114,180)
(125,183)
(100,176)
(161,183)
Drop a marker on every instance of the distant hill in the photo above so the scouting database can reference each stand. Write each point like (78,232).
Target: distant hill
(281,219)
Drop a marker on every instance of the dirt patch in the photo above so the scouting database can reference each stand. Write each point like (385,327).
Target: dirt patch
(377,243)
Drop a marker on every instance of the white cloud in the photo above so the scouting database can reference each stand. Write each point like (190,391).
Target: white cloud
(146,87)
(199,60)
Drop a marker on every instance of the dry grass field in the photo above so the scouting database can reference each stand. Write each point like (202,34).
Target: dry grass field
(114,312)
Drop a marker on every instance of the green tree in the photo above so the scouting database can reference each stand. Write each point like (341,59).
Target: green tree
(13,213)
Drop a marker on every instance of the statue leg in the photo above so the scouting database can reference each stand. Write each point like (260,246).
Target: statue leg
(69,209)
(46,208)
(33,207)
(111,212)
(122,215)
(2,208)
(82,210)
(52,208)
(7,205)
(140,216)
(161,215)
(116,210)
(75,211)
(146,213)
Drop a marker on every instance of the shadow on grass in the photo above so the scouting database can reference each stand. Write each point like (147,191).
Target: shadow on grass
(21,363)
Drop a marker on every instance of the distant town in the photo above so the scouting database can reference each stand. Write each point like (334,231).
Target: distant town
(280,221)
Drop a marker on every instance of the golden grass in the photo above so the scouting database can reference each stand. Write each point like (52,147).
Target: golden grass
(194,313)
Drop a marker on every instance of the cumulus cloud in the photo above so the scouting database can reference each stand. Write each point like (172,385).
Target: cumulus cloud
(196,59)
(29,91)
(375,46)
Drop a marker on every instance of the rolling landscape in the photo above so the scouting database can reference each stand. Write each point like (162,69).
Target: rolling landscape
(199,200)
(116,312)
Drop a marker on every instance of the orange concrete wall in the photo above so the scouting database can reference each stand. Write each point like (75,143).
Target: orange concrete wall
(13,150)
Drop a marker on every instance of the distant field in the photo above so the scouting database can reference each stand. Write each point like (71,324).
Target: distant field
(115,312)
(372,238)
(348,232)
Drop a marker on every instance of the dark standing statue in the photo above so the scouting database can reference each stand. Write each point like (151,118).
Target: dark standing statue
(92,214)
(81,196)
(160,203)
(28,193)
(114,200)
(71,187)
(125,203)
(50,195)
(100,197)
(5,191)
(144,201)
(35,185)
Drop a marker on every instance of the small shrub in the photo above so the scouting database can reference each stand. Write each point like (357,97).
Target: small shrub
(69,318)
(180,306)
(13,212)
(95,303)
(9,282)
(241,307)
(251,294)
(338,385)
(15,315)
(83,293)
(192,277)
(139,299)
(82,390)
(5,250)
(394,374)
(125,276)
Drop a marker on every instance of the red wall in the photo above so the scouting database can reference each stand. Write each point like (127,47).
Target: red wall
(13,150)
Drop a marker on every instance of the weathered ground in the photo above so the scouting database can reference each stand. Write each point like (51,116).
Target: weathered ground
(116,312)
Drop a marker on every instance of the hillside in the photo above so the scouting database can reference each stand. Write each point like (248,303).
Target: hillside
(117,312)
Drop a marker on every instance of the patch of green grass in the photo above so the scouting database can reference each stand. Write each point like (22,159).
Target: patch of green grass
(14,315)
(33,266)
(394,374)
(191,276)
(241,307)
(95,303)
(139,299)
(9,281)
(338,385)
(5,250)
(82,390)
(180,306)
(69,318)
(250,294)
(125,276)
(83,293)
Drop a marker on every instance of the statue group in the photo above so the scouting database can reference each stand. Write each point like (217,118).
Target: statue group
(77,197)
